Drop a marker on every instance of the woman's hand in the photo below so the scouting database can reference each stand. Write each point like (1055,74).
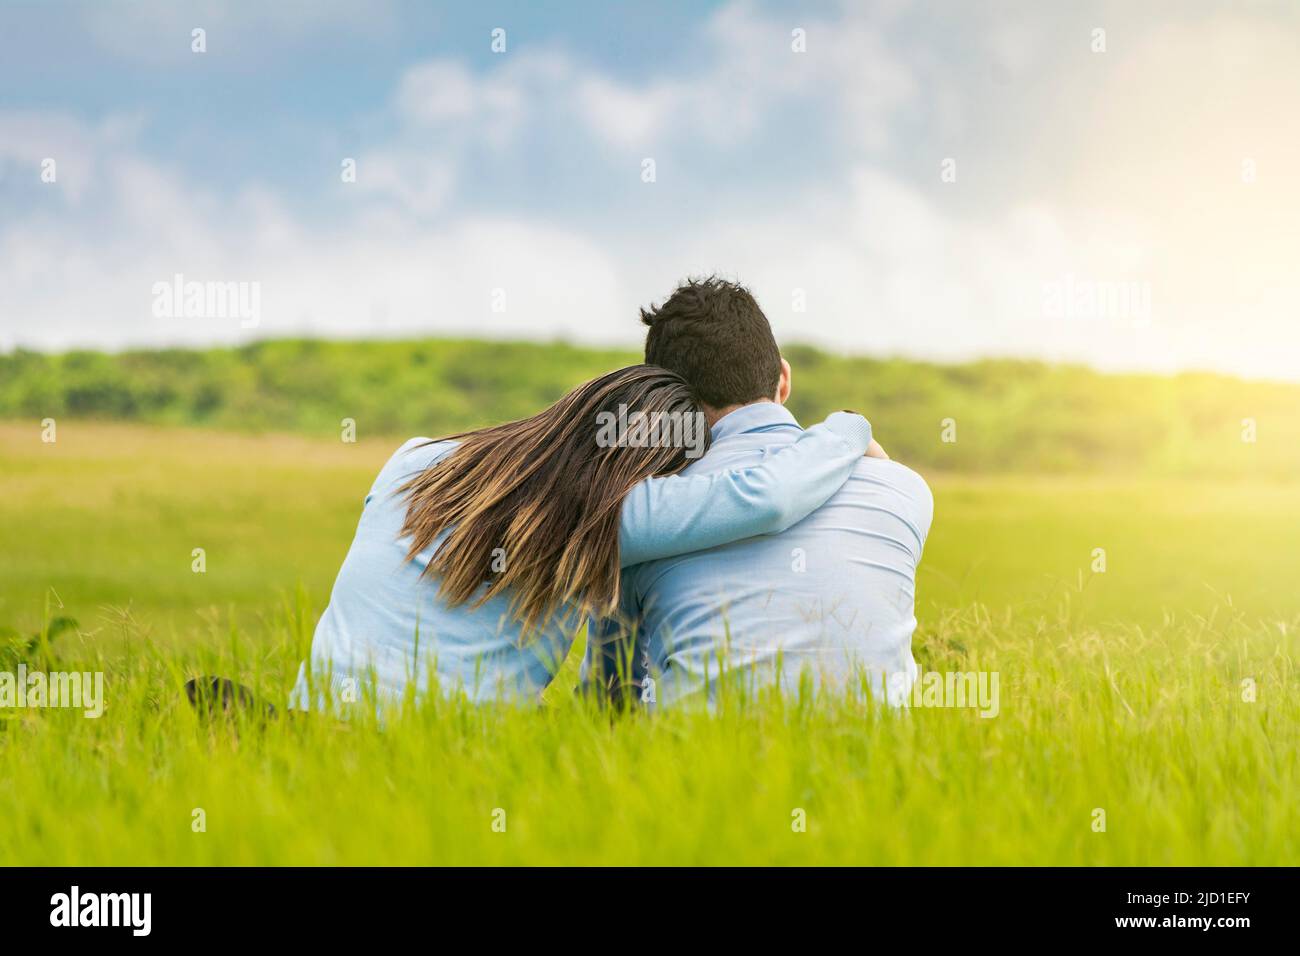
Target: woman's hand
(873,450)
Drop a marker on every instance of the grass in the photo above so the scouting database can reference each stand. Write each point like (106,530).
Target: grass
(1120,691)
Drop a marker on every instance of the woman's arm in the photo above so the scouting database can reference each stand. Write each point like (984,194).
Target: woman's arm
(663,517)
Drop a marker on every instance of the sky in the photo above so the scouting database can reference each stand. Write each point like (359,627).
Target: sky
(1115,184)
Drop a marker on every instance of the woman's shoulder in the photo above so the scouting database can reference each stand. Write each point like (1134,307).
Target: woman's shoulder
(414,449)
(413,457)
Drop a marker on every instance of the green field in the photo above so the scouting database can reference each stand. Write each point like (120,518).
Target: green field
(1120,691)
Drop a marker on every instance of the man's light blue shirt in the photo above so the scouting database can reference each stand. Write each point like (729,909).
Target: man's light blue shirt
(833,596)
(386,629)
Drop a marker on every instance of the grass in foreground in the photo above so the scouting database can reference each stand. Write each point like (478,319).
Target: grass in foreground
(1149,726)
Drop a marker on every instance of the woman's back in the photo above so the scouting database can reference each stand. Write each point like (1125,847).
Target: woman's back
(386,620)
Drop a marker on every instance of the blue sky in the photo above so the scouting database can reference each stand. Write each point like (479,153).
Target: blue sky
(1150,184)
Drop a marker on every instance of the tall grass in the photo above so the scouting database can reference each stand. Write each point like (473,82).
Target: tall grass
(1149,725)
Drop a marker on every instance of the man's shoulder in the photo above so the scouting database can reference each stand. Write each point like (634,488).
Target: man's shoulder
(895,473)
(908,491)
(735,451)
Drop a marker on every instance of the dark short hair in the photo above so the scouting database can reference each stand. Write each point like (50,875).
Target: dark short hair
(712,333)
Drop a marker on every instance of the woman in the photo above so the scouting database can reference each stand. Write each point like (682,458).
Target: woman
(477,555)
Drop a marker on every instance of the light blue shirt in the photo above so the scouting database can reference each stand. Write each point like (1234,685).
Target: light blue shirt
(386,628)
(832,597)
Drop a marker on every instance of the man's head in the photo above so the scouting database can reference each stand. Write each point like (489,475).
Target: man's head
(712,333)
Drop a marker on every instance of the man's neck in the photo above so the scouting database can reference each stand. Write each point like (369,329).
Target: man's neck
(714,415)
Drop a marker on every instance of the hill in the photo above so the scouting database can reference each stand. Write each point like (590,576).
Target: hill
(1005,415)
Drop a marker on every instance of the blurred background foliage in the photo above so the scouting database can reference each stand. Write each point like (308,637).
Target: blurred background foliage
(1010,415)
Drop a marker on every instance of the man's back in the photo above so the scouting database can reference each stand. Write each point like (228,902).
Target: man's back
(829,597)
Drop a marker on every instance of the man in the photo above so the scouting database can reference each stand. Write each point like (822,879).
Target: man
(828,600)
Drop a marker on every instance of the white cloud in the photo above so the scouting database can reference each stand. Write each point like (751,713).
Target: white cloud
(623,115)
(445,90)
(419,181)
(751,71)
(28,138)
(443,93)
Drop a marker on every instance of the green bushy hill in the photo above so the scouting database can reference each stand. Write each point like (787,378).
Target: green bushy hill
(1007,415)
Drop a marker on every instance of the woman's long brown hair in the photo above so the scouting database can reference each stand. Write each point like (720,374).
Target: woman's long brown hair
(548,492)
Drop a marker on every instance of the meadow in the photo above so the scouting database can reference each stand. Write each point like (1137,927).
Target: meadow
(1161,691)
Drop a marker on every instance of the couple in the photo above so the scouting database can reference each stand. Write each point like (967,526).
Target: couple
(751,550)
